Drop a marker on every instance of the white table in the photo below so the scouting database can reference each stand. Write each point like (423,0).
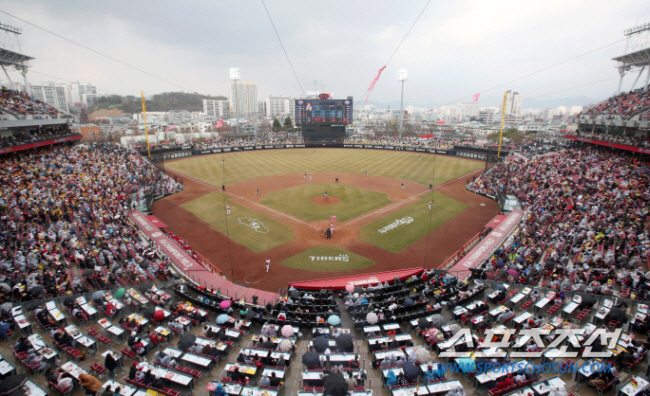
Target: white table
(518,297)
(90,311)
(73,369)
(175,353)
(498,310)
(125,390)
(371,329)
(198,360)
(542,302)
(278,373)
(522,317)
(73,331)
(277,355)
(105,323)
(410,391)
(255,391)
(36,341)
(384,354)
(631,390)
(33,389)
(263,353)
(15,311)
(6,367)
(22,321)
(56,315)
(322,330)
(391,326)
(545,386)
(444,387)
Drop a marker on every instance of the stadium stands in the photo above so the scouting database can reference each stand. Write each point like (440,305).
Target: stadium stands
(17,105)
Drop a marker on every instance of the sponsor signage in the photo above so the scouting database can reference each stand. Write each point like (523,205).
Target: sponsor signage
(289,146)
(379,147)
(395,224)
(389,147)
(258,147)
(268,147)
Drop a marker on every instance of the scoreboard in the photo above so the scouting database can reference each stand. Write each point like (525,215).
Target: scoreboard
(323,111)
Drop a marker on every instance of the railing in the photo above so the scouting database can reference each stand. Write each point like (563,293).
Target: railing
(209,264)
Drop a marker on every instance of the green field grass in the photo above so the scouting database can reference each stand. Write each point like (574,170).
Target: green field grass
(403,235)
(242,166)
(327,259)
(249,228)
(353,202)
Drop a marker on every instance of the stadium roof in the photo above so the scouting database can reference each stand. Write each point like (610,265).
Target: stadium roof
(11,58)
(636,58)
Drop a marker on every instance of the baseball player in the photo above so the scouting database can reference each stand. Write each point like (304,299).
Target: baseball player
(430,203)
(305,176)
(403,188)
(309,178)
(268,263)
(227,209)
(325,195)
(332,219)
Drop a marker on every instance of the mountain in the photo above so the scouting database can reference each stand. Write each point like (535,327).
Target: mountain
(160,102)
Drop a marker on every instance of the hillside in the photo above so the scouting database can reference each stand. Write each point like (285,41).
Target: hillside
(160,102)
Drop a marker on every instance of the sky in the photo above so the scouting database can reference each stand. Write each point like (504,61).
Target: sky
(456,48)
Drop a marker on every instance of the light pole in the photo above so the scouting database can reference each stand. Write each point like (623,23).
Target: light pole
(235,74)
(403,75)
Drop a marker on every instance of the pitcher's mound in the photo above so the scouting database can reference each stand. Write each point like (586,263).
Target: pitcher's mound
(322,201)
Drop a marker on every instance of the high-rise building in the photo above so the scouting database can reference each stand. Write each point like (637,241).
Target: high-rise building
(53,94)
(243,98)
(82,95)
(261,108)
(280,107)
(486,116)
(219,109)
(513,103)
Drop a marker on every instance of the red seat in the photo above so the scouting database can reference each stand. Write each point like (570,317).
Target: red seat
(97,368)
(128,353)
(188,371)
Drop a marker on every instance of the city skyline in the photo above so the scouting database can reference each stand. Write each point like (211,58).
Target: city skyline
(472,47)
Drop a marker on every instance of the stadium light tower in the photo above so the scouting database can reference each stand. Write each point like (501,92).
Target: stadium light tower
(403,75)
(637,55)
(235,74)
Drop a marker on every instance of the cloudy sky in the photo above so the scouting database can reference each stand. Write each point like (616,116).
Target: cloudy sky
(456,49)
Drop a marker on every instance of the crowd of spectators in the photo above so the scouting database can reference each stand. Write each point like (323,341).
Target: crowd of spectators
(622,106)
(585,230)
(62,213)
(35,134)
(20,105)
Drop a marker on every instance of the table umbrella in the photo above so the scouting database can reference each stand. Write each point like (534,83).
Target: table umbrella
(5,287)
(221,319)
(513,272)
(333,320)
(7,306)
(144,264)
(423,355)
(467,365)
(99,294)
(408,301)
(588,300)
(159,315)
(295,294)
(358,289)
(149,312)
(186,341)
(225,304)
(310,359)
(286,331)
(499,287)
(438,320)
(335,385)
(89,272)
(618,315)
(345,343)
(120,293)
(424,324)
(454,328)
(13,384)
(320,344)
(285,345)
(411,370)
(349,288)
(36,289)
(250,314)
(372,318)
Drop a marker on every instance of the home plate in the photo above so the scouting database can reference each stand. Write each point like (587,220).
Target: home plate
(482,204)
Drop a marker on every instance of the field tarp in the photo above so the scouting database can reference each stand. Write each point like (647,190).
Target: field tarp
(486,246)
(356,280)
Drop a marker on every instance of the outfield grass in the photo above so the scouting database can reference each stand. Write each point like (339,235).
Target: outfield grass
(242,166)
(353,202)
(327,259)
(249,228)
(403,235)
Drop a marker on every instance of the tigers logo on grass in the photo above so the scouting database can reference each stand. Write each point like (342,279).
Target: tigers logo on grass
(256,225)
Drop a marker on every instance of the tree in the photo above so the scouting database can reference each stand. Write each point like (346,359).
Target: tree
(288,124)
(276,125)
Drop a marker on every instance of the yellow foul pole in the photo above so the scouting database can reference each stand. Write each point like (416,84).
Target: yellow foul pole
(503,121)
(144,114)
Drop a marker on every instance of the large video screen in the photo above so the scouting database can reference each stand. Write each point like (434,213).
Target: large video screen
(319,111)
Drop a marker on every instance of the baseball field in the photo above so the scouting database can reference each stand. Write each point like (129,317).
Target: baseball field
(386,210)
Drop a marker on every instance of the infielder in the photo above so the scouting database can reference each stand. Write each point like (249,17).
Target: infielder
(403,187)
(268,263)
(227,209)
(325,195)
(309,178)
(430,205)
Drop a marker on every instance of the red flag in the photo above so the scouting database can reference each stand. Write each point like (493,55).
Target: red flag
(475,97)
(219,123)
(373,82)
